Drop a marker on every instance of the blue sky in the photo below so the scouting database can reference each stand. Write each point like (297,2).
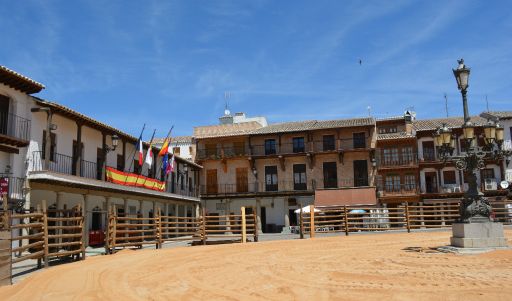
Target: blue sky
(170,62)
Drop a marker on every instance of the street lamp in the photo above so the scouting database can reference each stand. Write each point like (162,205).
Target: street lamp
(475,208)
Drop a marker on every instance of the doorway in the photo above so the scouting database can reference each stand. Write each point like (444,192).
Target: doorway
(292,216)
(263,218)
(4,114)
(431,182)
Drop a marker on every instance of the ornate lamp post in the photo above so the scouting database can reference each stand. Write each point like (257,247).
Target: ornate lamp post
(474,207)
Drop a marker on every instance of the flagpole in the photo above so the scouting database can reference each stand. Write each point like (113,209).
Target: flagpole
(133,155)
(148,154)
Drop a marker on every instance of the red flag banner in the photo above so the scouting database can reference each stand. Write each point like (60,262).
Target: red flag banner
(130,179)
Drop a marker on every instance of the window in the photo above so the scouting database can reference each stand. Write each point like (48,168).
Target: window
(176,150)
(410,182)
(53,145)
(136,167)
(271,178)
(241,179)
(328,143)
(211,149)
(387,129)
(392,183)
(390,156)
(211,181)
(359,140)
(4,113)
(299,177)
(298,145)
(270,146)
(360,173)
(487,173)
(449,177)
(407,155)
(429,153)
(239,148)
(120,162)
(330,175)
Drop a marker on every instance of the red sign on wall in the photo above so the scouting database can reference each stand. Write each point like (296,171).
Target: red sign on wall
(4,186)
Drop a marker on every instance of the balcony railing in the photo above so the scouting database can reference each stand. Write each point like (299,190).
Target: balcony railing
(284,148)
(400,189)
(410,159)
(256,187)
(14,126)
(281,186)
(64,164)
(14,189)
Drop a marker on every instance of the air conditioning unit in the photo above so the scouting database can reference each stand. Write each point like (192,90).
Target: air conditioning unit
(490,184)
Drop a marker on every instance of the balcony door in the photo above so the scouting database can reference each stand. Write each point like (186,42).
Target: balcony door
(100,158)
(429,153)
(75,156)
(330,175)
(211,181)
(360,173)
(4,114)
(241,179)
(431,182)
(271,178)
(299,177)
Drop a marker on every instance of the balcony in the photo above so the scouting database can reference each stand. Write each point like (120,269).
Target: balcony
(220,153)
(342,183)
(256,187)
(13,187)
(64,164)
(398,190)
(403,160)
(14,130)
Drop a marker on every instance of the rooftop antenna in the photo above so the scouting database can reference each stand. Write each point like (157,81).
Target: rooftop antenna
(487,103)
(446,104)
(369,111)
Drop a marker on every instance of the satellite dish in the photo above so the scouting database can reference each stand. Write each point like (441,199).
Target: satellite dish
(504,184)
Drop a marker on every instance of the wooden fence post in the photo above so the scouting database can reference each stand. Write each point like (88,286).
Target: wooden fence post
(203,226)
(345,212)
(255,219)
(407,217)
(312,221)
(301,221)
(114,226)
(45,233)
(244,229)
(159,225)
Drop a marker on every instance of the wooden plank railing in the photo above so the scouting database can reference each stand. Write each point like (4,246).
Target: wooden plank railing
(377,218)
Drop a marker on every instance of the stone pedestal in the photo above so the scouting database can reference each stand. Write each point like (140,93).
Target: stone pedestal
(478,235)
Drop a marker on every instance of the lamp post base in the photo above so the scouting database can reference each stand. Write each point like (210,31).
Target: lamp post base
(478,235)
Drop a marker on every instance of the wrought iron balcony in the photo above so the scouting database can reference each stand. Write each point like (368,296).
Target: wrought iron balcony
(14,130)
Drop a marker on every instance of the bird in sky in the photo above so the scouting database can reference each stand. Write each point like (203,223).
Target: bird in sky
(360,61)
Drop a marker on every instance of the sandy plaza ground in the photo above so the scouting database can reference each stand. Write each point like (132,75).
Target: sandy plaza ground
(396,266)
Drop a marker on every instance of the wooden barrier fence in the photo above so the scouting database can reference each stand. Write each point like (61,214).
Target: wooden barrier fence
(375,218)
(136,231)
(40,235)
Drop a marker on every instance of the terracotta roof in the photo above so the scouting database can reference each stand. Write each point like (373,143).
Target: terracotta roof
(500,114)
(394,136)
(300,126)
(226,130)
(451,122)
(176,139)
(18,81)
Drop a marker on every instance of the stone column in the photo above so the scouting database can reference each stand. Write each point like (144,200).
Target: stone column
(443,221)
(59,205)
(228,217)
(140,208)
(125,206)
(422,217)
(258,214)
(196,209)
(286,228)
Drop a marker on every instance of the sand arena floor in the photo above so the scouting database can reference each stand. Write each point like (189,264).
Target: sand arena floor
(359,267)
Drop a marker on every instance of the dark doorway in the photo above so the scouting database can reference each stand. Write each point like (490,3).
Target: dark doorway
(99,163)
(263,218)
(96,219)
(360,173)
(292,217)
(431,182)
(4,114)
